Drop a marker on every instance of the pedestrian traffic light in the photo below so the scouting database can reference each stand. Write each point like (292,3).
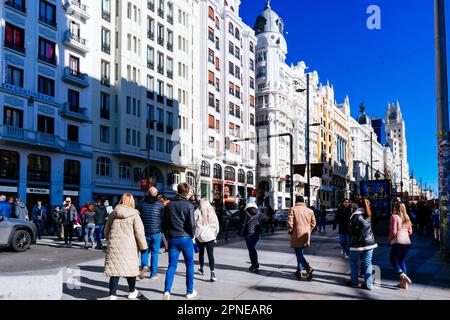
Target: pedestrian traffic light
(288,182)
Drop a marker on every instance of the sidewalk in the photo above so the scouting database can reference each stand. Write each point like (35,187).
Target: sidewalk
(275,280)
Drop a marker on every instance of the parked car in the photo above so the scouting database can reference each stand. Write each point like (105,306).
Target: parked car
(17,234)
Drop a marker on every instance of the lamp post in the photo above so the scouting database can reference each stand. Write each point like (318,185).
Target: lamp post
(371,154)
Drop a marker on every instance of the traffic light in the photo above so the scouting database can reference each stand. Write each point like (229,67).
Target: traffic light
(288,182)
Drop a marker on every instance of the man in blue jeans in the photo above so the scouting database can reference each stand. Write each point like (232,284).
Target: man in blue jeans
(151,210)
(179,229)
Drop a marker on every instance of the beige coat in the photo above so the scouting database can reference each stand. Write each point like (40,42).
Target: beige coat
(125,235)
(300,223)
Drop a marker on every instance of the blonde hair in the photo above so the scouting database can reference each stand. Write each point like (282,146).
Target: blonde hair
(400,210)
(127,200)
(206,211)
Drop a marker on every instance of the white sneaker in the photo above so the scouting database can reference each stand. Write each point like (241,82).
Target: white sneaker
(112,298)
(154,277)
(166,296)
(191,295)
(134,294)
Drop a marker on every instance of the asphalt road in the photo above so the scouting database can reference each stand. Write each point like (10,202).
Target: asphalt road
(46,254)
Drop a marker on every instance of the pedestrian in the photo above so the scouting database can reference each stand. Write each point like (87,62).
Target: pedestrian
(343,220)
(56,222)
(125,237)
(251,229)
(100,219)
(69,218)
(194,201)
(206,231)
(12,207)
(4,207)
(322,219)
(270,213)
(164,241)
(109,208)
(362,243)
(151,211)
(436,221)
(21,210)
(399,237)
(300,223)
(38,216)
(421,217)
(88,223)
(179,228)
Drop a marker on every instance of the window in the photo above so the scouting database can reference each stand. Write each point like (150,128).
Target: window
(252,83)
(103,167)
(217,64)
(169,146)
(47,51)
(217,125)
(238,92)
(211,56)
(237,72)
(231,108)
(47,13)
(217,43)
(106,41)
(252,47)
(169,116)
(73,97)
(160,30)
(249,177)
(159,145)
(13,117)
(217,171)
(211,100)
(211,121)
(252,101)
(237,52)
(104,134)
(237,111)
(205,169)
(231,48)
(14,76)
(211,142)
(160,119)
(46,124)
(38,168)
(241,176)
(105,73)
(72,133)
(150,28)
(231,28)
(124,170)
(237,34)
(170,68)
(46,86)
(230,68)
(14,38)
(72,172)
(217,23)
(252,65)
(252,119)
(128,137)
(211,77)
(16,4)
(160,63)
(150,57)
(74,65)
(230,173)
(104,105)
(211,34)
(106,10)
(211,14)
(128,105)
(231,88)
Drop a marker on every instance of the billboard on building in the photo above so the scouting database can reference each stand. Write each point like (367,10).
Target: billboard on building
(378,192)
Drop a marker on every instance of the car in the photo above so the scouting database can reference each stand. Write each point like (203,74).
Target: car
(17,234)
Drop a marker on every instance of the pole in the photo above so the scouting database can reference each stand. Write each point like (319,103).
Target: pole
(291,140)
(308,175)
(442,122)
(401,176)
(371,156)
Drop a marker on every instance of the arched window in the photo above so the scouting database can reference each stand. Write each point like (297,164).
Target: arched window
(241,176)
(230,174)
(250,177)
(231,28)
(124,170)
(217,171)
(211,13)
(71,172)
(205,169)
(173,177)
(217,23)
(103,167)
(154,173)
(39,168)
(9,165)
(237,34)
(190,179)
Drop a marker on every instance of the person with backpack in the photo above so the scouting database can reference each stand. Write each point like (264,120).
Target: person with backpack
(38,216)
(206,231)
(88,223)
(69,218)
(251,229)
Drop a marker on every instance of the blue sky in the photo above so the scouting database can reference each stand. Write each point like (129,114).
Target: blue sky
(371,66)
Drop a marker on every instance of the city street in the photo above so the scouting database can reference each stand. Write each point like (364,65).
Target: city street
(275,280)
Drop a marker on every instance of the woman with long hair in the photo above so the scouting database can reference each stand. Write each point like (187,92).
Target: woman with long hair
(362,243)
(125,236)
(206,231)
(343,219)
(401,230)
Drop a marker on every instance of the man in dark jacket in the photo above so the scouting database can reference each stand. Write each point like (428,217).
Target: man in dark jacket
(4,207)
(69,217)
(151,210)
(100,218)
(38,216)
(343,219)
(179,229)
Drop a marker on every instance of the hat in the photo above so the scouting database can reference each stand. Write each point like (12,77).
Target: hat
(251,205)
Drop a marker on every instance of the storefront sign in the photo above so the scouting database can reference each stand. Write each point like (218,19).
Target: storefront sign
(38,191)
(26,92)
(70,193)
(230,182)
(8,189)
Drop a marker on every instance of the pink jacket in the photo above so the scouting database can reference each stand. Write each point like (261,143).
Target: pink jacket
(399,234)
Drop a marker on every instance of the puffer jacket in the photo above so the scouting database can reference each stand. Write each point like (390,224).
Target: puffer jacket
(152,211)
(179,218)
(21,211)
(362,237)
(125,236)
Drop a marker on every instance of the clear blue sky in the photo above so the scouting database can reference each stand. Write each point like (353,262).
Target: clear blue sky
(371,66)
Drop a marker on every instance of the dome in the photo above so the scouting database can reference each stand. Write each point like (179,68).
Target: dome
(268,21)
(364,119)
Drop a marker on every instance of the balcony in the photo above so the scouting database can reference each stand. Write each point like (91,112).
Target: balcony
(47,139)
(151,5)
(75,41)
(17,5)
(151,65)
(76,8)
(15,133)
(74,113)
(47,21)
(151,35)
(106,15)
(75,77)
(106,81)
(160,41)
(77,148)
(170,19)
(170,46)
(161,13)
(15,47)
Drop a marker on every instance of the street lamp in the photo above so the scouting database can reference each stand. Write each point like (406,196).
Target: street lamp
(148,143)
(371,155)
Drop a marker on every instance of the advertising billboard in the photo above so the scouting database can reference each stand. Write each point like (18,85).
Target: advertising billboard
(378,192)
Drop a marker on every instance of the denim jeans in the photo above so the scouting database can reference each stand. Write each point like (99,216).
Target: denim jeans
(177,245)
(89,233)
(154,243)
(99,234)
(302,264)
(321,224)
(398,257)
(344,240)
(365,257)
(251,239)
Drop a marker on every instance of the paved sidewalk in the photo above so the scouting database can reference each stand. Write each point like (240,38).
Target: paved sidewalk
(275,279)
